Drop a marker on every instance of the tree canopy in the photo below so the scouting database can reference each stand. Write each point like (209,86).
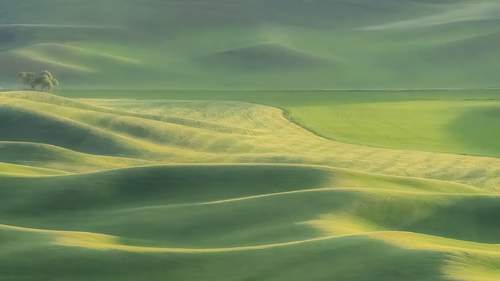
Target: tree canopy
(28,78)
(44,80)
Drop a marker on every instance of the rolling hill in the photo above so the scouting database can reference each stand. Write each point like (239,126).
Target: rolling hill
(243,44)
(229,190)
(202,140)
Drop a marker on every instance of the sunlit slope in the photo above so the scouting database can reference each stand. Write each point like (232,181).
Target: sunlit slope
(53,157)
(232,204)
(361,259)
(451,121)
(20,171)
(219,132)
(230,190)
(161,213)
(276,135)
(244,44)
(33,127)
(456,126)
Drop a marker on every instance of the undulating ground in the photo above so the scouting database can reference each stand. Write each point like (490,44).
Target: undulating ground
(204,186)
(258,44)
(246,140)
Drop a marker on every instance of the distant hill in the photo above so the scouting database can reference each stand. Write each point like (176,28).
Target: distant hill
(217,44)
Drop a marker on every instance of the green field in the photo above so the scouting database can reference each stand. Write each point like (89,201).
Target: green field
(220,186)
(263,140)
(460,122)
(241,44)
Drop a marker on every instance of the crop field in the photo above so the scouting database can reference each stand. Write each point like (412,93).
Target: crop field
(203,186)
(238,140)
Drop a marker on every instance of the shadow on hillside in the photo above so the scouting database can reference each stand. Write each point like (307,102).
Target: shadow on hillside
(478,131)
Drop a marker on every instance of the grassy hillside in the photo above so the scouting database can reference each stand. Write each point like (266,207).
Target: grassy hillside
(217,186)
(460,122)
(266,264)
(53,157)
(201,140)
(199,218)
(243,44)
(461,126)
(229,132)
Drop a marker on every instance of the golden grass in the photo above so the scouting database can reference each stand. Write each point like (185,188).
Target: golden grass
(26,171)
(36,155)
(473,267)
(268,137)
(275,134)
(107,242)
(342,224)
(234,133)
(403,239)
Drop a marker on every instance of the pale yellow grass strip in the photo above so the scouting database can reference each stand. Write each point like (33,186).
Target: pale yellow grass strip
(361,189)
(106,242)
(403,239)
(411,240)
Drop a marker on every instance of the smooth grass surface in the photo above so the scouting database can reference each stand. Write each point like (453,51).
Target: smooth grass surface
(218,231)
(225,132)
(459,126)
(104,198)
(245,44)
(460,122)
(350,214)
(53,157)
(129,189)
(358,258)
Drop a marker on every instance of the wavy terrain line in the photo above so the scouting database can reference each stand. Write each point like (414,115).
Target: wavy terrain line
(408,240)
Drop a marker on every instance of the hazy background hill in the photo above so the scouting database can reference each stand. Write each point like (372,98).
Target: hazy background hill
(243,44)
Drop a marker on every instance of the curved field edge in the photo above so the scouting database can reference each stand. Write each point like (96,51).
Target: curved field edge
(391,193)
(461,260)
(54,158)
(429,120)
(403,239)
(14,170)
(272,139)
(460,126)
(122,198)
(40,255)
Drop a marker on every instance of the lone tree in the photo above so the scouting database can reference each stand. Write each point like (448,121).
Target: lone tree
(28,78)
(45,80)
